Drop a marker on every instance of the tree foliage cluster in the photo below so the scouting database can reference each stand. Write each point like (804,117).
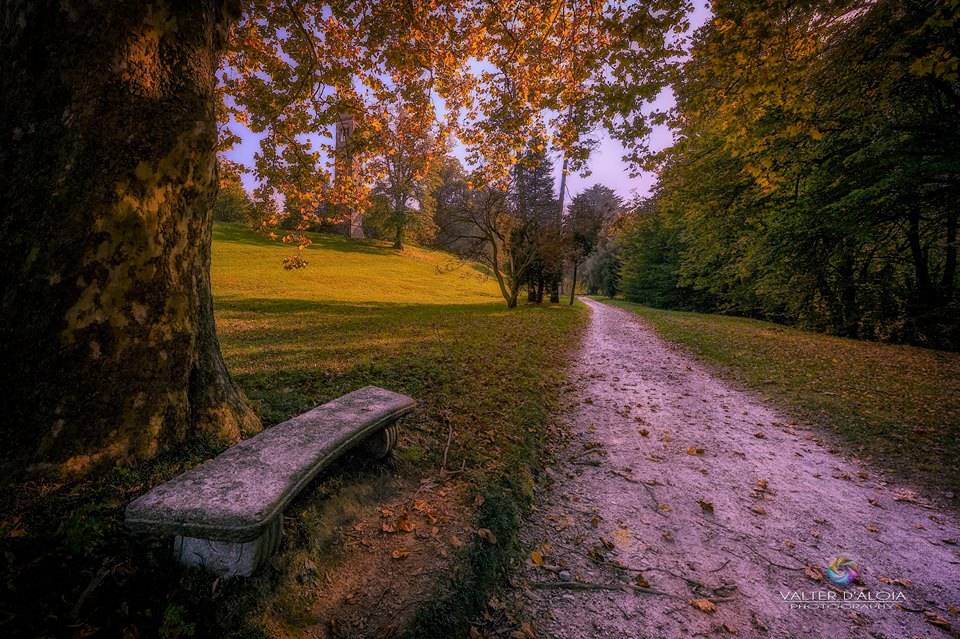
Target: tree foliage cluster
(815,174)
(592,239)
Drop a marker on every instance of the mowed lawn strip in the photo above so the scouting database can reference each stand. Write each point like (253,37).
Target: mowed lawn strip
(899,404)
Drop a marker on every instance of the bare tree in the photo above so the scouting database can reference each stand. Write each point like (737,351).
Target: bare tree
(487,229)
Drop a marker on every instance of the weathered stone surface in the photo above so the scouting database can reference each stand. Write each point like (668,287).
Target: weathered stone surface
(228,558)
(239,494)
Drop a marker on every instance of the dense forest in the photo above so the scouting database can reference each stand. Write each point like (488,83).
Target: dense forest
(815,174)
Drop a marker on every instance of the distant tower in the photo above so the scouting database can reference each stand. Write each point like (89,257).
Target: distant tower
(343,166)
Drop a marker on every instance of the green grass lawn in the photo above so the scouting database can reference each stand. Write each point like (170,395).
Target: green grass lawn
(899,404)
(417,322)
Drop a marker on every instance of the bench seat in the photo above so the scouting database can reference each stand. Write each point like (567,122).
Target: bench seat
(225,513)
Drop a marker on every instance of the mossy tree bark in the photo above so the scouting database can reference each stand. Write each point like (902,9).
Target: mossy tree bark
(108,158)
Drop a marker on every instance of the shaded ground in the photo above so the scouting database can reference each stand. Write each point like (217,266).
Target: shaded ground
(684,507)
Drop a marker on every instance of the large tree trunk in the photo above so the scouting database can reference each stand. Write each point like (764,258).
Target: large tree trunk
(108,342)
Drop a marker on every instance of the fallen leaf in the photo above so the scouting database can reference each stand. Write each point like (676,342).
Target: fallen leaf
(707,506)
(387,527)
(704,605)
(813,572)
(760,435)
(905,495)
(421,506)
(536,557)
(906,583)
(487,535)
(595,521)
(526,631)
(644,432)
(936,620)
(622,537)
(727,628)
(641,581)
(760,510)
(400,553)
(664,508)
(455,541)
(693,450)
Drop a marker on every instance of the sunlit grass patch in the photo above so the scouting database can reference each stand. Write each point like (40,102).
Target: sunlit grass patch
(898,403)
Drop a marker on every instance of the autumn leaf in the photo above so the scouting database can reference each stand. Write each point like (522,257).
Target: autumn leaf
(641,581)
(487,535)
(703,605)
(406,525)
(400,553)
(706,506)
(388,527)
(536,557)
(813,573)
(906,583)
(525,631)
(936,620)
(421,506)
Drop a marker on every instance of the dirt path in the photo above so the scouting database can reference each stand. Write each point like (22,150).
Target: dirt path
(678,483)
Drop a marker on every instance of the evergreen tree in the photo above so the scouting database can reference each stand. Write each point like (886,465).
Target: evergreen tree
(535,205)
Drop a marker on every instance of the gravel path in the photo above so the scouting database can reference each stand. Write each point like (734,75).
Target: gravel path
(684,507)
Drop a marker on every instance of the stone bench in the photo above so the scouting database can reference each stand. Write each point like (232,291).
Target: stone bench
(225,513)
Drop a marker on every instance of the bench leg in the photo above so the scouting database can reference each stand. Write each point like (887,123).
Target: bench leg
(382,442)
(228,558)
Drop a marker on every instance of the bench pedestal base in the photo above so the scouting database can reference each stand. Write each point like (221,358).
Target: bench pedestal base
(228,558)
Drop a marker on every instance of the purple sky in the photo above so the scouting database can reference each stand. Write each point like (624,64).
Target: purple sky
(606,164)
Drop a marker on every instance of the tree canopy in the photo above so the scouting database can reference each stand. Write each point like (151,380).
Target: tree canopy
(815,172)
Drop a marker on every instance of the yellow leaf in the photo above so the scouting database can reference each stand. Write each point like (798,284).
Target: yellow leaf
(536,557)
(704,605)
